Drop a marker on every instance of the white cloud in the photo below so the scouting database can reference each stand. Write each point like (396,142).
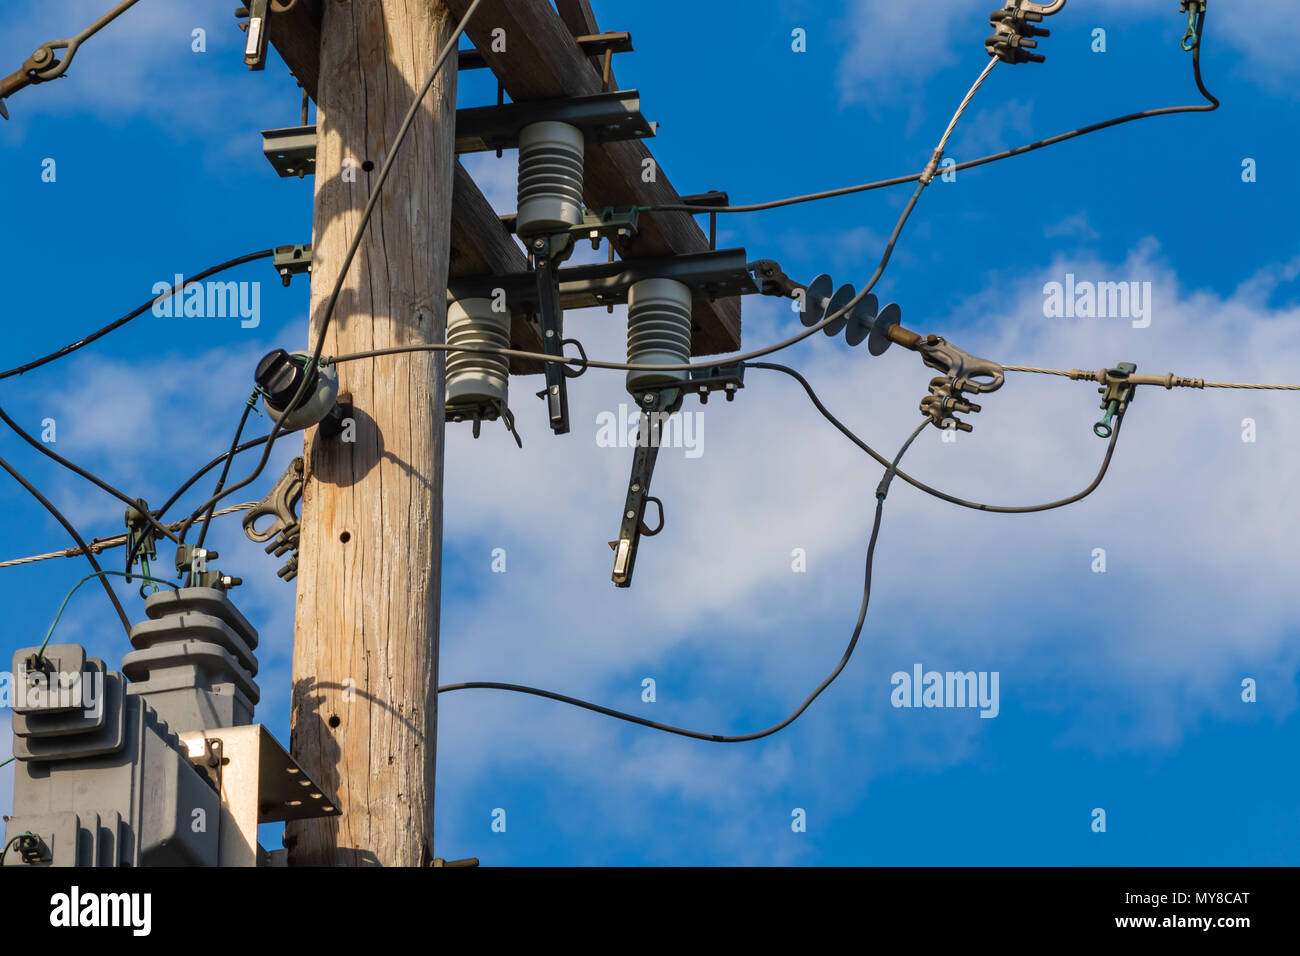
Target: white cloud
(890,49)
(1195,596)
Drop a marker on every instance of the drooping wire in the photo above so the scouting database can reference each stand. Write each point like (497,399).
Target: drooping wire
(332,301)
(189,483)
(230,458)
(49,633)
(1213,104)
(76,536)
(136,313)
(81,472)
(881,492)
(934,492)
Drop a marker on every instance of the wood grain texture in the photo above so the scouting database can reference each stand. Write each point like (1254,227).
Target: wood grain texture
(366,635)
(580,19)
(542,61)
(479,244)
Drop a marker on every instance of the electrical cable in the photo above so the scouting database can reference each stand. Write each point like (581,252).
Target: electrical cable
(136,313)
(189,482)
(934,492)
(78,470)
(923,180)
(98,574)
(881,492)
(1211,106)
(1169,381)
(230,458)
(8,846)
(67,526)
(331,302)
(100,545)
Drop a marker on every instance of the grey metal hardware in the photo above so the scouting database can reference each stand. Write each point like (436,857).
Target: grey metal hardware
(281,503)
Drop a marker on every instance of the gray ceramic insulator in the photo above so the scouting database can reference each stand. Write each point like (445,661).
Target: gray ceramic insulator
(550,178)
(658,332)
(474,378)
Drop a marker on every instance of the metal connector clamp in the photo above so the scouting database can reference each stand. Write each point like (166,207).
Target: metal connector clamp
(1117,394)
(968,372)
(283,532)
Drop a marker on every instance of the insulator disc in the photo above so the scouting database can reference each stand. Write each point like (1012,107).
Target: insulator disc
(475,378)
(842,297)
(658,332)
(880,342)
(550,178)
(818,291)
(861,319)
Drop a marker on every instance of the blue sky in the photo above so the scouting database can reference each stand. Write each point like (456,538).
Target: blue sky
(1118,690)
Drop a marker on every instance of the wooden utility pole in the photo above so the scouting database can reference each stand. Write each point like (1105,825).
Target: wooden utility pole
(365,660)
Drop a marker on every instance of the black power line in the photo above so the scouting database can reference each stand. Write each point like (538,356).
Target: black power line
(881,492)
(922,486)
(81,543)
(1210,106)
(78,470)
(136,313)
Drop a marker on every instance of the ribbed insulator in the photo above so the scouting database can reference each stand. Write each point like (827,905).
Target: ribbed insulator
(658,332)
(473,377)
(550,178)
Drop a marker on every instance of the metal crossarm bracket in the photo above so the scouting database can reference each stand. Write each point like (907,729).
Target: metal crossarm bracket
(602,117)
(599,44)
(710,275)
(728,379)
(291,261)
(611,221)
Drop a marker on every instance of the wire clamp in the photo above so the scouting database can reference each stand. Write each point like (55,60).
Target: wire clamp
(1117,394)
(283,533)
(1195,10)
(1015,32)
(963,373)
(140,537)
